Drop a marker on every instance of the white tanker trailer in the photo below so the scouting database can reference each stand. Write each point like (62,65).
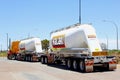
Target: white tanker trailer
(30,49)
(78,47)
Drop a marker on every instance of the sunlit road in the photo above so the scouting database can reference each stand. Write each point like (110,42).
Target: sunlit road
(18,70)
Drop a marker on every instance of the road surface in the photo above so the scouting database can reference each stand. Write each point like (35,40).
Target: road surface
(19,70)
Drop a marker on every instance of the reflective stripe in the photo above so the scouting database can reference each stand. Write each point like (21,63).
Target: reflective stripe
(112,62)
(89,63)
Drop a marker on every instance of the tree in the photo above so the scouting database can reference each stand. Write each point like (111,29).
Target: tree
(45,44)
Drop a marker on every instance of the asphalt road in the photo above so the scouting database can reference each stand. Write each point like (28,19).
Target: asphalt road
(18,70)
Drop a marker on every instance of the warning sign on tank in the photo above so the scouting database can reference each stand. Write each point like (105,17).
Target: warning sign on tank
(91,36)
(58,41)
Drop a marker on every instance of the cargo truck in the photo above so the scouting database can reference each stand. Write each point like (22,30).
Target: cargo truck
(78,48)
(29,49)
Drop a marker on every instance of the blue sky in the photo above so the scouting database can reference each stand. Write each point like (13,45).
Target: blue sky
(23,18)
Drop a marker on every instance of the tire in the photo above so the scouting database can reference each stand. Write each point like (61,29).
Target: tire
(75,64)
(69,64)
(19,57)
(13,57)
(82,66)
(42,60)
(16,57)
(9,57)
(107,67)
(46,60)
(31,59)
(26,58)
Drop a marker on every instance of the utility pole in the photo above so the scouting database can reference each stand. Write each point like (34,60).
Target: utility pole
(79,11)
(1,47)
(7,41)
(107,41)
(116,27)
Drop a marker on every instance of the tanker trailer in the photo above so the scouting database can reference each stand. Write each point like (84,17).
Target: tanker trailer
(30,49)
(78,48)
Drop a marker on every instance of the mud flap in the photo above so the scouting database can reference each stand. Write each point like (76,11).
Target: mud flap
(112,64)
(50,58)
(89,65)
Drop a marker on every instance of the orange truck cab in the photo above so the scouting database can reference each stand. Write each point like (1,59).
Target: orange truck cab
(14,50)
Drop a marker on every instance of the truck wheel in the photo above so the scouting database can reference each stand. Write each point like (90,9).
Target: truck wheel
(42,60)
(9,57)
(13,57)
(16,57)
(75,65)
(82,66)
(31,58)
(19,57)
(46,60)
(69,64)
(26,58)
(108,68)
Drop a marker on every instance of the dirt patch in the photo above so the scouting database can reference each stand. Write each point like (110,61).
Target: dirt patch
(118,59)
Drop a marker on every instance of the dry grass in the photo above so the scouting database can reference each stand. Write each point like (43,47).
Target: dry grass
(115,53)
(3,54)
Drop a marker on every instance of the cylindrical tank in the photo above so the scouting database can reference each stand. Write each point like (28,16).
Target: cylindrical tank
(76,36)
(30,45)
